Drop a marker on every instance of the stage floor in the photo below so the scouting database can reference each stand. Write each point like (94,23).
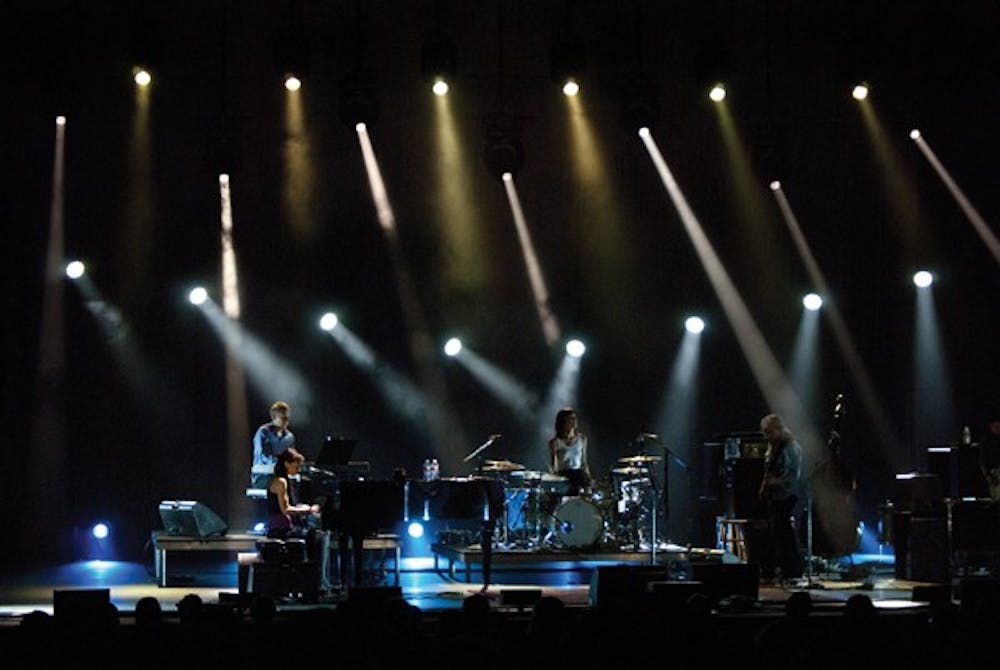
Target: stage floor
(424,583)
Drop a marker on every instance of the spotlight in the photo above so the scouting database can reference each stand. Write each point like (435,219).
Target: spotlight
(694,324)
(504,149)
(575,348)
(223,179)
(571,88)
(292,83)
(640,105)
(914,134)
(644,132)
(75,269)
(453,346)
(437,61)
(100,531)
(506,176)
(812,302)
(775,185)
(718,93)
(415,530)
(198,295)
(328,321)
(60,120)
(860,92)
(440,87)
(923,279)
(142,77)
(568,60)
(357,101)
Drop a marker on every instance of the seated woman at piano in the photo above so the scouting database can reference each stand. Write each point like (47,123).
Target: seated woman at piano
(568,452)
(289,518)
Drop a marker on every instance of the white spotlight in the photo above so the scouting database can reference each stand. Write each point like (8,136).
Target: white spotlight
(415,530)
(914,134)
(223,179)
(453,346)
(644,132)
(440,86)
(570,88)
(694,324)
(718,93)
(506,176)
(575,348)
(812,302)
(100,531)
(75,269)
(923,279)
(198,295)
(860,92)
(60,120)
(142,77)
(292,83)
(775,185)
(361,128)
(328,321)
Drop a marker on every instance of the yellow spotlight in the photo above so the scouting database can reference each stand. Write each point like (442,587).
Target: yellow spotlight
(571,88)
(718,93)
(142,77)
(292,83)
(440,86)
(860,92)
(775,185)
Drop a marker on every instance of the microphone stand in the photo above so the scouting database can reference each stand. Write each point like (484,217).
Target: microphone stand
(670,455)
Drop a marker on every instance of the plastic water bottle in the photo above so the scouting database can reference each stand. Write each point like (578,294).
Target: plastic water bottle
(435,469)
(428,470)
(966,436)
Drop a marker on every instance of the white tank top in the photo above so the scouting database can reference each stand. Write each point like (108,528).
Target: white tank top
(569,455)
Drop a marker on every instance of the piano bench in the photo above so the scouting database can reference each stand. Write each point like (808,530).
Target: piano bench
(164,543)
(385,542)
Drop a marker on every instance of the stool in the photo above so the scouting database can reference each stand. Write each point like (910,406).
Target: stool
(244,560)
(730,535)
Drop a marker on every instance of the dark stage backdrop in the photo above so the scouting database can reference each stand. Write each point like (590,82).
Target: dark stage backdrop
(143,414)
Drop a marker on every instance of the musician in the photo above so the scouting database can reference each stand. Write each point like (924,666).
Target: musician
(780,489)
(270,440)
(289,518)
(568,452)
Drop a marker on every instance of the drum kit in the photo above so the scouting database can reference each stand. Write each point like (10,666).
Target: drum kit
(613,513)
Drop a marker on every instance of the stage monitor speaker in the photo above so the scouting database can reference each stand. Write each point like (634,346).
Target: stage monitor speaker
(191,518)
(77,605)
(623,586)
(741,499)
(723,580)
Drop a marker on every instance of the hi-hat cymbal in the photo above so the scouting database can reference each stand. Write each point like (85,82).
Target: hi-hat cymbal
(527,474)
(628,472)
(640,459)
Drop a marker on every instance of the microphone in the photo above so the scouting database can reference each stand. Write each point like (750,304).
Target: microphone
(647,436)
(496,436)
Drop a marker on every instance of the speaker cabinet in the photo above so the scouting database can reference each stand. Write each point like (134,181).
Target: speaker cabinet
(920,545)
(723,580)
(623,586)
(958,470)
(190,518)
(80,605)
(741,485)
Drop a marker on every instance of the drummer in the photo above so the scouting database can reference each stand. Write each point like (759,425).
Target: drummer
(568,453)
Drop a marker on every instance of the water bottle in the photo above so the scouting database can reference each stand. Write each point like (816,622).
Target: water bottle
(435,469)
(966,436)
(428,470)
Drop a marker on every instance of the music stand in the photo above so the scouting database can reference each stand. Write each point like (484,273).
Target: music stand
(336,451)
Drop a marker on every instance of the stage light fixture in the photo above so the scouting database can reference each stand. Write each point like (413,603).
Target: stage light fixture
(860,91)
(292,83)
(923,279)
(75,269)
(504,152)
(437,62)
(453,347)
(60,120)
(575,348)
(775,185)
(142,77)
(914,134)
(568,60)
(812,302)
(198,295)
(357,101)
(100,531)
(640,105)
(415,530)
(718,93)
(328,321)
(694,325)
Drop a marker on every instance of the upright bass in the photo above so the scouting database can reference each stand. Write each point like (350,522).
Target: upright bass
(835,527)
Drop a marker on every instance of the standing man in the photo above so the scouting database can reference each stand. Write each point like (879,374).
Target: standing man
(780,490)
(270,440)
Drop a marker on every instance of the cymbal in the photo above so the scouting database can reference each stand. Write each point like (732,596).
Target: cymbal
(505,466)
(630,471)
(640,459)
(527,474)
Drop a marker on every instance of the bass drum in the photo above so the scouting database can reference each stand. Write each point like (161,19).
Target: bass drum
(579,523)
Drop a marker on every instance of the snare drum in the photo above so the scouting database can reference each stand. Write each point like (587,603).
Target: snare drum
(578,522)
